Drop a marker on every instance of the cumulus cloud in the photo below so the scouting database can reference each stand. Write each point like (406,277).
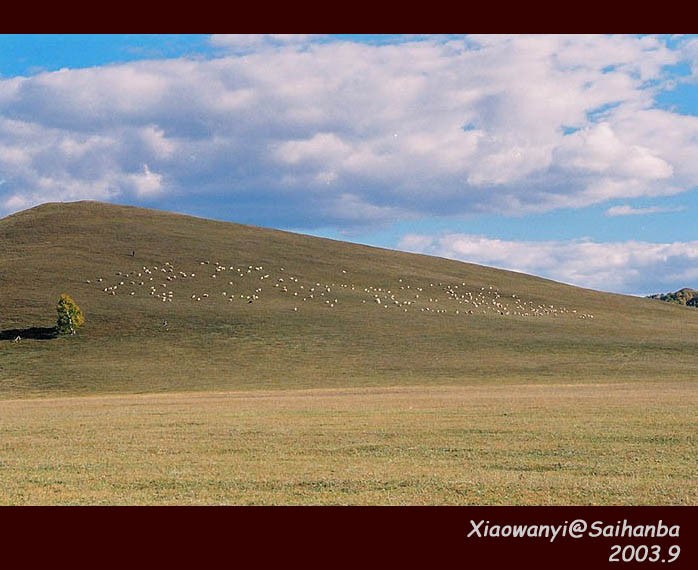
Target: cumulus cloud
(632,267)
(146,183)
(296,133)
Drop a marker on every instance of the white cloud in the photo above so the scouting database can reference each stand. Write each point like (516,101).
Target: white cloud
(250,42)
(632,267)
(146,184)
(483,124)
(626,210)
(350,206)
(690,53)
(598,149)
(322,148)
(156,143)
(57,189)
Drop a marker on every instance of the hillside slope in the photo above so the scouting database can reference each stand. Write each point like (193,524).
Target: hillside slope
(176,303)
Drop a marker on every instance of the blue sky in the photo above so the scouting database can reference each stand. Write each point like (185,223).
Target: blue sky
(570,157)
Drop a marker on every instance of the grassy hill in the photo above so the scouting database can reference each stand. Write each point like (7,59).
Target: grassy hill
(248,307)
(226,364)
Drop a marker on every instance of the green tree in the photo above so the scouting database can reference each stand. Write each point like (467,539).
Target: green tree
(70,317)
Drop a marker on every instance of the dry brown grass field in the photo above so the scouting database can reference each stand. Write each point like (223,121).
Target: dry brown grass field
(229,364)
(506,445)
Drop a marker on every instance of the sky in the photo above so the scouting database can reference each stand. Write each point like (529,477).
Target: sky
(574,158)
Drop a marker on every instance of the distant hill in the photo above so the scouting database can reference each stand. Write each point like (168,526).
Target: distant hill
(178,303)
(683,296)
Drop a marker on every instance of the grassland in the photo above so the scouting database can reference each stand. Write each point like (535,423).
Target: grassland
(463,385)
(514,445)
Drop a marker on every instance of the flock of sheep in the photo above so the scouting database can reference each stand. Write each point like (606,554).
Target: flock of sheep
(252,283)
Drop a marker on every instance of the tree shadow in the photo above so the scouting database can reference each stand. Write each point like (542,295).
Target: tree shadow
(33,333)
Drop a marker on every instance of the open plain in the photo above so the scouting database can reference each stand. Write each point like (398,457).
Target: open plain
(527,444)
